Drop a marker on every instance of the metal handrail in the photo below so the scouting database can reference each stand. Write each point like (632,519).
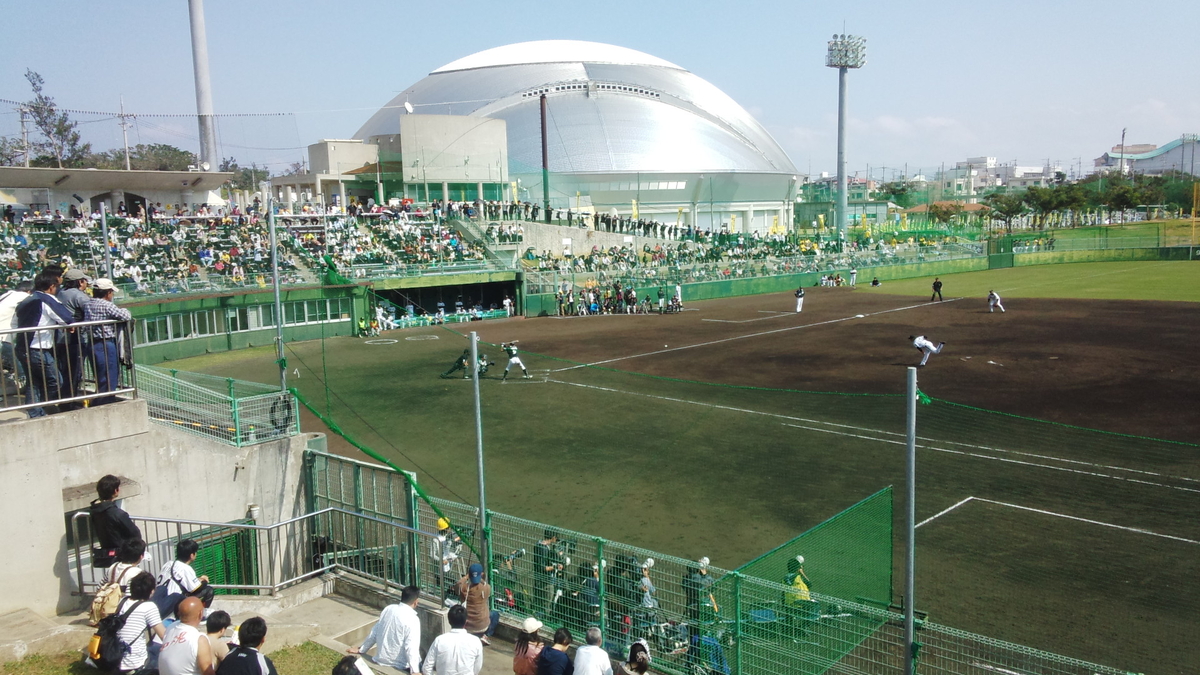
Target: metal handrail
(82,547)
(72,341)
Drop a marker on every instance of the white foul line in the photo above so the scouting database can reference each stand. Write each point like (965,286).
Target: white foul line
(943,512)
(1137,530)
(742,337)
(887,440)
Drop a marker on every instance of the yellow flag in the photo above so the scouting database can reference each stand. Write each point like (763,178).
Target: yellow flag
(635,210)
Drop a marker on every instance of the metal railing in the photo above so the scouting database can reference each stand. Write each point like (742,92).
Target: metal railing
(69,366)
(247,558)
(224,409)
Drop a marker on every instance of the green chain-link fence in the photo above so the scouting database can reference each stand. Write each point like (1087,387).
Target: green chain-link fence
(697,619)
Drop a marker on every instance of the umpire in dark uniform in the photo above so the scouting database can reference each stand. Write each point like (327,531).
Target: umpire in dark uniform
(937,290)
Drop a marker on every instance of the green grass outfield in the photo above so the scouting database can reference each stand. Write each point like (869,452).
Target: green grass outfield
(1164,280)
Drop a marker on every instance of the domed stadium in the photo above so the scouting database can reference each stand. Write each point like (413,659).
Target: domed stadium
(622,127)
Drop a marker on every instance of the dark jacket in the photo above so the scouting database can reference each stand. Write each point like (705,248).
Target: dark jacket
(112,525)
(245,661)
(554,662)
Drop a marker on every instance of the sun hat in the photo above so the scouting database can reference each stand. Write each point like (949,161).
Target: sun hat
(531,625)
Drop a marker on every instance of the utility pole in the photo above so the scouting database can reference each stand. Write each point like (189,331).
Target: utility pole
(25,133)
(124,131)
(844,52)
(1122,153)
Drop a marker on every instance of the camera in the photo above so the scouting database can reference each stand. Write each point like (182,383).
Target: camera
(514,555)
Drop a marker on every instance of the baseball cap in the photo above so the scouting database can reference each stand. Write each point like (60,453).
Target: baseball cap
(531,625)
(475,572)
(103,284)
(74,274)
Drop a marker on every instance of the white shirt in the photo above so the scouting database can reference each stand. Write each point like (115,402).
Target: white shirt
(8,309)
(592,660)
(181,571)
(398,636)
(993,297)
(454,653)
(179,649)
(921,343)
(145,616)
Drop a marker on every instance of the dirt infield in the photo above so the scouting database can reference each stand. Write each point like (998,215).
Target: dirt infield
(1124,366)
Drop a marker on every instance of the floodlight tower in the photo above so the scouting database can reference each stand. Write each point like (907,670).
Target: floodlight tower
(845,52)
(204,107)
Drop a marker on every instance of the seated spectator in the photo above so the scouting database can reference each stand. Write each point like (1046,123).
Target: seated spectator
(456,652)
(528,649)
(142,620)
(554,661)
(111,524)
(177,579)
(244,657)
(129,557)
(216,625)
(185,650)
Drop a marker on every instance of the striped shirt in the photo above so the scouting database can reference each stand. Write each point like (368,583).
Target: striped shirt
(99,309)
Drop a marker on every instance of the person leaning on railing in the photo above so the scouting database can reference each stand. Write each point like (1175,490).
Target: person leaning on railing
(105,345)
(36,348)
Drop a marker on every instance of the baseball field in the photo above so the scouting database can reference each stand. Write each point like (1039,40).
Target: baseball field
(731,427)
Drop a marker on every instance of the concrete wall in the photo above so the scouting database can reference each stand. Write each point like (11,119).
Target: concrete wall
(448,148)
(48,463)
(340,156)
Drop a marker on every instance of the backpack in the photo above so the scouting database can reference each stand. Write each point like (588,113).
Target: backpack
(164,599)
(106,648)
(107,598)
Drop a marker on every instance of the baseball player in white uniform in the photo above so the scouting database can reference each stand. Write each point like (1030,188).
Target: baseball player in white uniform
(994,302)
(925,347)
(799,299)
(510,348)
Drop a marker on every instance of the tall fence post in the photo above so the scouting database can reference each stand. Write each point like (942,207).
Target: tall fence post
(600,591)
(910,529)
(737,623)
(235,413)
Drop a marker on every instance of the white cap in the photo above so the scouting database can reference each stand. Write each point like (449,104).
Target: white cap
(800,559)
(704,562)
(531,625)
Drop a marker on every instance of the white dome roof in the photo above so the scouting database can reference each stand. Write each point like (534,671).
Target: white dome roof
(555,51)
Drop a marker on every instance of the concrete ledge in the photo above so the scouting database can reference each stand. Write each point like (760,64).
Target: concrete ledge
(25,632)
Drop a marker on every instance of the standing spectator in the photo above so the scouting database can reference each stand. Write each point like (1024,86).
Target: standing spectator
(8,308)
(36,349)
(937,290)
(214,631)
(457,652)
(528,648)
(554,661)
(475,593)
(177,579)
(244,658)
(73,295)
(398,634)
(591,659)
(545,569)
(185,651)
(142,619)
(110,523)
(106,348)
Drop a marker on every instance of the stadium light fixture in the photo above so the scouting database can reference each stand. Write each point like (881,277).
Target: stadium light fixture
(845,52)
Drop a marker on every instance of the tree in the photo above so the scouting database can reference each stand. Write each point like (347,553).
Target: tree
(899,191)
(62,142)
(1043,201)
(944,212)
(1005,207)
(245,178)
(12,151)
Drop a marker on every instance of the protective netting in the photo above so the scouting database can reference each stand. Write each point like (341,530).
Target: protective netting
(848,556)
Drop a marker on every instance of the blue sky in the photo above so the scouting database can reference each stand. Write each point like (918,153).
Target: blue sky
(1026,81)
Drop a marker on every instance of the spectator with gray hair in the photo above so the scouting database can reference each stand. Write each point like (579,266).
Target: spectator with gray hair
(591,659)
(457,652)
